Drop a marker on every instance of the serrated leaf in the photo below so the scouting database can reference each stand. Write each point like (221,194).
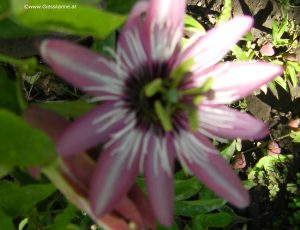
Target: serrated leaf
(193,208)
(79,19)
(22,145)
(16,201)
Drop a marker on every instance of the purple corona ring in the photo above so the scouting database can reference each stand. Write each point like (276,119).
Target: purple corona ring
(160,101)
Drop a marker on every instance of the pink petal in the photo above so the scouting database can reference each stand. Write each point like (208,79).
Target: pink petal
(114,222)
(159,184)
(224,122)
(112,179)
(144,206)
(91,129)
(48,121)
(217,174)
(131,49)
(79,167)
(164,28)
(212,47)
(81,67)
(136,13)
(235,80)
(127,208)
(267,49)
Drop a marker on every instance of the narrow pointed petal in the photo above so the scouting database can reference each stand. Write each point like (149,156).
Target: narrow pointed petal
(127,208)
(113,222)
(81,67)
(164,28)
(80,168)
(50,122)
(232,81)
(136,14)
(144,206)
(160,183)
(218,175)
(213,46)
(112,179)
(224,122)
(91,129)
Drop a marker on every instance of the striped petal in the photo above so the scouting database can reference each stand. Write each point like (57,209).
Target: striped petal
(159,181)
(113,178)
(82,68)
(91,129)
(212,47)
(218,175)
(235,80)
(164,28)
(220,121)
(131,48)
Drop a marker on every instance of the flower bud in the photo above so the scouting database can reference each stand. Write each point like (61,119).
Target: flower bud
(294,124)
(273,148)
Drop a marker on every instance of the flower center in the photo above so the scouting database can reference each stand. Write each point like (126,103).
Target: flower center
(156,97)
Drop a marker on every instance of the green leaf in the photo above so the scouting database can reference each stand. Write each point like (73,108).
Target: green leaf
(229,150)
(5,221)
(10,29)
(4,170)
(22,145)
(8,93)
(292,73)
(64,218)
(72,109)
(189,21)
(281,82)
(79,19)
(214,220)
(193,208)
(226,12)
(240,54)
(185,189)
(16,201)
(296,137)
(120,6)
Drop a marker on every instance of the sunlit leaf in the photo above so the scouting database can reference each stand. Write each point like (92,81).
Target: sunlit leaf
(74,18)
